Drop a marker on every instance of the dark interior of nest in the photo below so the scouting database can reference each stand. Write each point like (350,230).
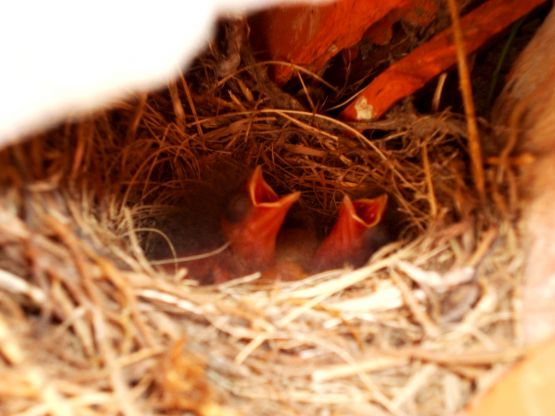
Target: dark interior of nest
(157,176)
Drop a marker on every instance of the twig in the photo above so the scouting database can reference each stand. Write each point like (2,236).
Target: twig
(474,146)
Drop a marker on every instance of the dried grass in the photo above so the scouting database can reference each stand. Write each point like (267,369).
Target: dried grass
(89,327)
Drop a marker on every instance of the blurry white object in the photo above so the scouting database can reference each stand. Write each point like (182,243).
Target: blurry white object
(62,58)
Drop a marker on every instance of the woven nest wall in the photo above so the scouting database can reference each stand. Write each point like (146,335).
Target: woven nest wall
(91,325)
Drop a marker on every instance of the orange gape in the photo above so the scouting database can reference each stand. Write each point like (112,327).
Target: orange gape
(252,225)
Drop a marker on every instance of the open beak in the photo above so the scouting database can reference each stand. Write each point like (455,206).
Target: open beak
(253,227)
(346,241)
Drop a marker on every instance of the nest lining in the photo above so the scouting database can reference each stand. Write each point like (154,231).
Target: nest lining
(90,326)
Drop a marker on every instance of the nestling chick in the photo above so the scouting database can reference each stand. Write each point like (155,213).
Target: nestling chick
(253,220)
(253,223)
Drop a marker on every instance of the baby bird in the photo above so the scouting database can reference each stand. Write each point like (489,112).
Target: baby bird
(259,238)
(252,222)
(350,239)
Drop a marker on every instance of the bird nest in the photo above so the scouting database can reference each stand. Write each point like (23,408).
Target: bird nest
(90,325)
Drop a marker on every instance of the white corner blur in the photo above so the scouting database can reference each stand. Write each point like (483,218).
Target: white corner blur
(63,58)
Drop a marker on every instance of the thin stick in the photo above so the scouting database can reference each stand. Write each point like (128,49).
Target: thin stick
(429,181)
(191,102)
(474,147)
